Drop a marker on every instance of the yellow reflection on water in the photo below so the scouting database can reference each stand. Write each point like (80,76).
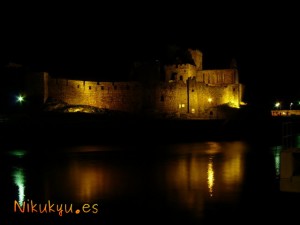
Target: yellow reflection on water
(232,168)
(88,180)
(85,180)
(191,175)
(210,176)
(201,172)
(19,180)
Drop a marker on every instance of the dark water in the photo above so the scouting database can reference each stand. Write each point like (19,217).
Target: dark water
(184,183)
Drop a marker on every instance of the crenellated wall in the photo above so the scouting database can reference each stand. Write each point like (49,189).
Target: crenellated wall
(179,72)
(124,96)
(224,76)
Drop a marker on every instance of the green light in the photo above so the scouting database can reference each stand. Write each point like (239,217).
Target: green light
(20,98)
(276,155)
(18,153)
(19,180)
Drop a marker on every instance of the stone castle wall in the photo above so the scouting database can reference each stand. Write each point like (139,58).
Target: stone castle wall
(218,77)
(195,98)
(179,72)
(187,89)
(124,96)
(168,96)
(204,100)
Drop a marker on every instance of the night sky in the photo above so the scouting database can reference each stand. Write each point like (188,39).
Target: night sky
(81,39)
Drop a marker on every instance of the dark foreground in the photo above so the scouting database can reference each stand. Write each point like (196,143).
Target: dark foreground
(144,171)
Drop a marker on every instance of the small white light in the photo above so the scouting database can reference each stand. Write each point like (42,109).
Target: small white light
(20,99)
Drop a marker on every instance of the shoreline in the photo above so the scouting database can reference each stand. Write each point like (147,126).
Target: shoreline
(69,129)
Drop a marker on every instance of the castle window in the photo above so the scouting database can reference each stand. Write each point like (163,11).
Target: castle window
(233,89)
(78,86)
(181,78)
(182,105)
(115,87)
(211,113)
(102,87)
(193,110)
(98,83)
(192,90)
(90,87)
(162,98)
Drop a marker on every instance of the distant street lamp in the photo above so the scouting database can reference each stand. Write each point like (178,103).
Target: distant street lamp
(277,105)
(291,104)
(20,99)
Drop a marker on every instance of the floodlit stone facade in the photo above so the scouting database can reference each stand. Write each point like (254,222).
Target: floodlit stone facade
(180,90)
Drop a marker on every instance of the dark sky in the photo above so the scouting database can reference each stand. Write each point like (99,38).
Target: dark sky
(106,39)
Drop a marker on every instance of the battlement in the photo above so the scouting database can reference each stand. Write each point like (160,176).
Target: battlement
(179,72)
(218,77)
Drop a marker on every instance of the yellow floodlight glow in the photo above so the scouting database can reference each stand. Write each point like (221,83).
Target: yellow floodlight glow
(210,177)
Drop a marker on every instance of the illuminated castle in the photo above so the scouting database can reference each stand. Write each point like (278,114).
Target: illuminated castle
(181,90)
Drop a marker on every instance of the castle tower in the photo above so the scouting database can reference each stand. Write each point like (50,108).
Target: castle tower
(197,57)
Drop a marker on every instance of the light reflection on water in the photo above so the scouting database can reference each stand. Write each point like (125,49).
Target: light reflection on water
(19,180)
(188,175)
(276,153)
(86,181)
(210,176)
(276,150)
(212,172)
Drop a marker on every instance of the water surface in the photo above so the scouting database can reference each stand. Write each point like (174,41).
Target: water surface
(182,183)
